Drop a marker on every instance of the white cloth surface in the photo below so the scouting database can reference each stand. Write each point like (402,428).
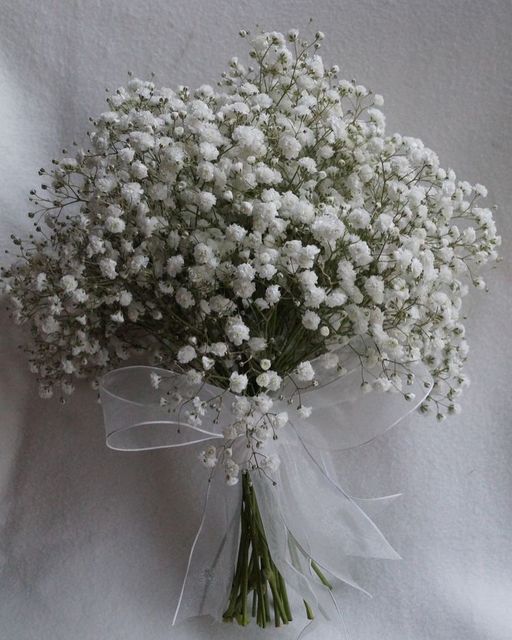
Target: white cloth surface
(87,549)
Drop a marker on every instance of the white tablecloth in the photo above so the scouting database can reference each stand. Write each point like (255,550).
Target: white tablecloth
(87,536)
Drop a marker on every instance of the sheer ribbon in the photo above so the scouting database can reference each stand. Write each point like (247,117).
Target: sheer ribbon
(307,516)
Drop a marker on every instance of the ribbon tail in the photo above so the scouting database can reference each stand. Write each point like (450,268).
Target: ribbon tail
(212,555)
(191,553)
(373,507)
(301,528)
(365,539)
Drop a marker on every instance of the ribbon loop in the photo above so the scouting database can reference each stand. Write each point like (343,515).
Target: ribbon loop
(139,418)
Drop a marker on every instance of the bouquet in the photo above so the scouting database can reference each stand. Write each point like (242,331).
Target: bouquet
(289,275)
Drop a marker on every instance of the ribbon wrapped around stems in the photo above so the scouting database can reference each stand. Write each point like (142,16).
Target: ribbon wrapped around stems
(313,527)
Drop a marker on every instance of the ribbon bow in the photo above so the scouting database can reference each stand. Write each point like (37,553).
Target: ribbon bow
(307,516)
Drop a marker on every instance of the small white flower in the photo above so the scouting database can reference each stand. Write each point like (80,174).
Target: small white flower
(68,283)
(206,201)
(481,190)
(250,139)
(207,363)
(114,211)
(232,471)
(263,402)
(308,164)
(106,184)
(45,391)
(138,263)
(108,268)
(219,349)
(175,265)
(68,163)
(384,222)
(311,320)
(67,388)
(203,254)
(359,218)
(115,225)
(208,151)
(374,287)
(305,371)
(186,354)
(274,381)
(236,331)
(132,192)
(270,463)
(80,295)
(41,280)
(328,228)
(142,141)
(235,232)
(127,154)
(305,412)
(241,406)
(246,271)
(158,191)
(125,298)
(360,253)
(194,377)
(68,367)
(238,382)
(155,379)
(139,170)
(209,457)
(289,146)
(50,325)
(263,379)
(257,344)
(184,298)
(273,294)
(330,360)
(280,420)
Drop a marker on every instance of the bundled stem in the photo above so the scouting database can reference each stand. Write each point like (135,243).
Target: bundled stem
(256,576)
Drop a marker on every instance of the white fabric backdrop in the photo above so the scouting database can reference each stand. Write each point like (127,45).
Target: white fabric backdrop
(86,545)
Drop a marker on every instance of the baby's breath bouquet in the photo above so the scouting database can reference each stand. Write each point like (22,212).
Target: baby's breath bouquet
(255,243)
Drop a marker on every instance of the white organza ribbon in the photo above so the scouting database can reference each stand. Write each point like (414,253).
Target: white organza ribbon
(306,515)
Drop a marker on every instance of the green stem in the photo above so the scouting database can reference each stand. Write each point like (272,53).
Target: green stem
(309,611)
(286,603)
(256,574)
(321,576)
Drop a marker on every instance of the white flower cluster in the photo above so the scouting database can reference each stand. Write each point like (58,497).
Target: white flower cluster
(241,232)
